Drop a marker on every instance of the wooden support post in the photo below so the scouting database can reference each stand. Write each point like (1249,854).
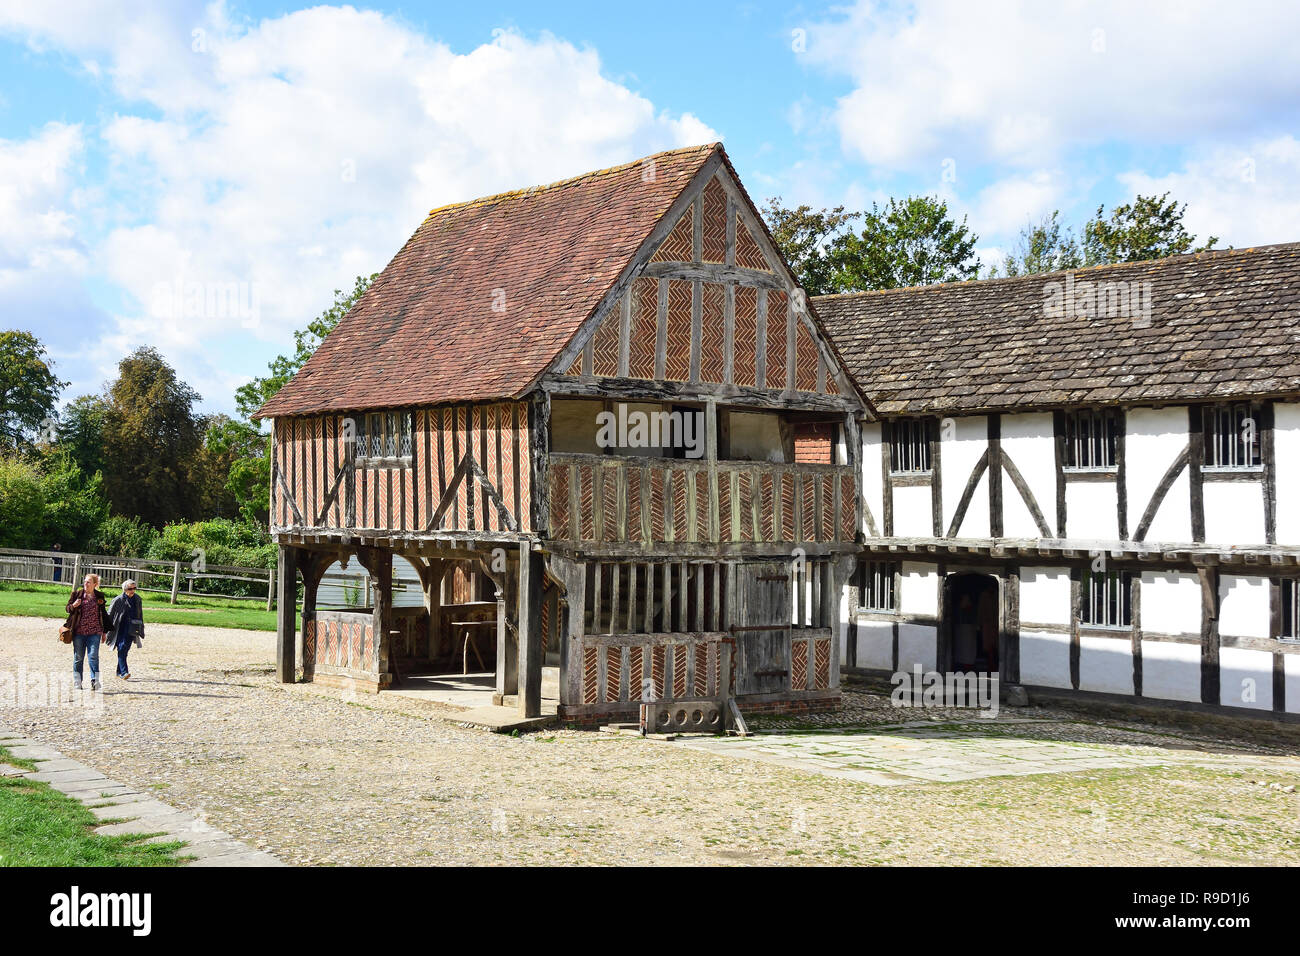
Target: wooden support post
(176,579)
(270,589)
(383,614)
(286,613)
(530,632)
(507,647)
(1209,581)
(432,583)
(76,572)
(313,568)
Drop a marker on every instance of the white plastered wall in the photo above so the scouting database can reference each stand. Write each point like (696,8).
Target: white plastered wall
(872,481)
(1154,438)
(1234,512)
(1028,441)
(1171,603)
(963,441)
(1045,596)
(1092,510)
(913,512)
(1286,454)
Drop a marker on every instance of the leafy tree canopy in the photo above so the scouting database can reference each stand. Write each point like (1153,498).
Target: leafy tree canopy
(912,242)
(803,234)
(909,242)
(1047,246)
(1150,227)
(29,389)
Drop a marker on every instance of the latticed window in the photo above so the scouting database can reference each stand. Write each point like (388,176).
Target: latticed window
(909,446)
(877,582)
(1290,610)
(1232,437)
(1107,599)
(1091,435)
(383,436)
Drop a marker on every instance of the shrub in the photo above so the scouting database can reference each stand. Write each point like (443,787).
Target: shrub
(219,541)
(122,537)
(22,505)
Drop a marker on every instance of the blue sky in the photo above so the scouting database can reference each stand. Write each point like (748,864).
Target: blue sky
(156,159)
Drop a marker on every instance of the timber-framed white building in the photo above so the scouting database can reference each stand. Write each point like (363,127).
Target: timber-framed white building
(1085,481)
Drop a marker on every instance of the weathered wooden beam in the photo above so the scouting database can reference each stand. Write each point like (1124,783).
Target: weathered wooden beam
(286,613)
(530,631)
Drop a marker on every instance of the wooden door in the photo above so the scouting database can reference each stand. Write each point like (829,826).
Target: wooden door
(762,628)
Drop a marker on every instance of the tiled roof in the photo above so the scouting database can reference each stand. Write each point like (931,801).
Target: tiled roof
(485,293)
(1219,324)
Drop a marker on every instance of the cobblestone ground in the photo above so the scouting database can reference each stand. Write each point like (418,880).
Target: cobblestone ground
(314,777)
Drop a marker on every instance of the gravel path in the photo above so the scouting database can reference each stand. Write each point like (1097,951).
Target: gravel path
(313,777)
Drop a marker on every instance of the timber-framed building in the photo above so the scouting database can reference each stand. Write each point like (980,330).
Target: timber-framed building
(1085,481)
(454,420)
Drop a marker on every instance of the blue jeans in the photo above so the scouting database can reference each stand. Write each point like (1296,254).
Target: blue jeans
(124,646)
(86,645)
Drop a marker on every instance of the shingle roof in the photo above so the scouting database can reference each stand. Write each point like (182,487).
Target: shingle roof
(1221,324)
(486,293)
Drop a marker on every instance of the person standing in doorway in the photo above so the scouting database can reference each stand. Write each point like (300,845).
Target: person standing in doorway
(88,609)
(125,625)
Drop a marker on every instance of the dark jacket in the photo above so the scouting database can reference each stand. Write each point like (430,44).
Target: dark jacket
(121,612)
(73,614)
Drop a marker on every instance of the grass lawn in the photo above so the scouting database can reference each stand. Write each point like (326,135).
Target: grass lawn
(41,827)
(48,600)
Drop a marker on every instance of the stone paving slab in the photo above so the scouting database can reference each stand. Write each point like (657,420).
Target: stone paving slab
(139,812)
(915,754)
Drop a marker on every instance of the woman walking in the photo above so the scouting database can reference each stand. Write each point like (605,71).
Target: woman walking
(89,617)
(125,625)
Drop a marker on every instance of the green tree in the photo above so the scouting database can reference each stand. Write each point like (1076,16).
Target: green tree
(46,499)
(912,242)
(238,469)
(247,447)
(81,431)
(152,441)
(1150,227)
(29,389)
(73,502)
(22,505)
(802,235)
(1048,246)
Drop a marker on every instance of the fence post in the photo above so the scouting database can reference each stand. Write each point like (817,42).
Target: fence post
(270,589)
(76,572)
(176,580)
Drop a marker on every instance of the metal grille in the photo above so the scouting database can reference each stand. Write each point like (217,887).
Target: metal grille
(1232,437)
(909,446)
(1106,599)
(878,585)
(1090,437)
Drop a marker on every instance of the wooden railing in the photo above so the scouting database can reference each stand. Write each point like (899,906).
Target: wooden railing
(616,500)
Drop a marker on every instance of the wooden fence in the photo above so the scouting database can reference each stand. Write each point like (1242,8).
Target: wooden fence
(177,579)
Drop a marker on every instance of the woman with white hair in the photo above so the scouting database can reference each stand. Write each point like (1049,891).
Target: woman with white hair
(88,618)
(125,625)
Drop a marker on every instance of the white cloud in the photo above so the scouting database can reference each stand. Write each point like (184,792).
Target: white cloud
(37,200)
(1006,206)
(294,153)
(1025,82)
(1245,196)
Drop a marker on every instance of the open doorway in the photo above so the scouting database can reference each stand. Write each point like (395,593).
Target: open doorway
(971,609)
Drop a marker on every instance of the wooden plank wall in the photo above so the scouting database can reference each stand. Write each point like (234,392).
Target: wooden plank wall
(596,499)
(479,452)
